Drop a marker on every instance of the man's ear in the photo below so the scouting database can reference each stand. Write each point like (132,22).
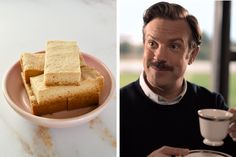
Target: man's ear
(193,54)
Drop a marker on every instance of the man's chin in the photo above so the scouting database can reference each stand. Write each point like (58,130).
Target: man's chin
(159,84)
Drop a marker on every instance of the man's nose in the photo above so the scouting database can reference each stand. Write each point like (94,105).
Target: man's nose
(160,53)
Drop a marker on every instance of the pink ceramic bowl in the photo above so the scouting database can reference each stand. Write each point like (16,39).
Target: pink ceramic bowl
(16,96)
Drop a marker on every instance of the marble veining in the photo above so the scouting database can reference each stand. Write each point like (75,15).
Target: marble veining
(105,134)
(40,144)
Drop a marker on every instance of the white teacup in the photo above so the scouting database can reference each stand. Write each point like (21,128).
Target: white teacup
(214,124)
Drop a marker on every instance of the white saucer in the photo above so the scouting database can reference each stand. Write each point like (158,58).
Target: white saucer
(206,153)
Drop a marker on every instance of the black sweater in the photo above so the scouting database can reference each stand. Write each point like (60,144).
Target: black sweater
(146,126)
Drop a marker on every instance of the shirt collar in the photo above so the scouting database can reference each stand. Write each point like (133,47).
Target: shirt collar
(157,98)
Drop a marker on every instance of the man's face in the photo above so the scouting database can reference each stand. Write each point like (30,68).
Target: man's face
(166,52)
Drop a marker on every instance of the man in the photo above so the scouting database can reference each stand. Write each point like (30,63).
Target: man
(158,112)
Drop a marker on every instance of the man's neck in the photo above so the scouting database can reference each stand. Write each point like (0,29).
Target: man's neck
(169,92)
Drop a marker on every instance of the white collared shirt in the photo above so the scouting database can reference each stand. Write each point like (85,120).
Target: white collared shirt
(157,98)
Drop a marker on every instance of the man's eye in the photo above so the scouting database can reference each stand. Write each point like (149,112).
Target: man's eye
(152,44)
(174,46)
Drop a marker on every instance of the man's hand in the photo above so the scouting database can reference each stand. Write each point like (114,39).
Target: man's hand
(167,151)
(232,127)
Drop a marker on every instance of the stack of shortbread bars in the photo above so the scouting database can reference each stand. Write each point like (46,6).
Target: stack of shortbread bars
(59,79)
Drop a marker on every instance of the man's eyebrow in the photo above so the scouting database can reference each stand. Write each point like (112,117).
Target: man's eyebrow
(150,36)
(170,40)
(176,39)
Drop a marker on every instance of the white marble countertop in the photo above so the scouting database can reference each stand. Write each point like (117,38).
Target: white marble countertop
(25,26)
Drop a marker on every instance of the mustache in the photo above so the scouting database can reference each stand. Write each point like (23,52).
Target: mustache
(161,65)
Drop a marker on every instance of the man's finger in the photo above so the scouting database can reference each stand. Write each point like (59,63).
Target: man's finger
(233,110)
(174,151)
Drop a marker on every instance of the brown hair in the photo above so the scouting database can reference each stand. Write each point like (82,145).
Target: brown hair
(173,12)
